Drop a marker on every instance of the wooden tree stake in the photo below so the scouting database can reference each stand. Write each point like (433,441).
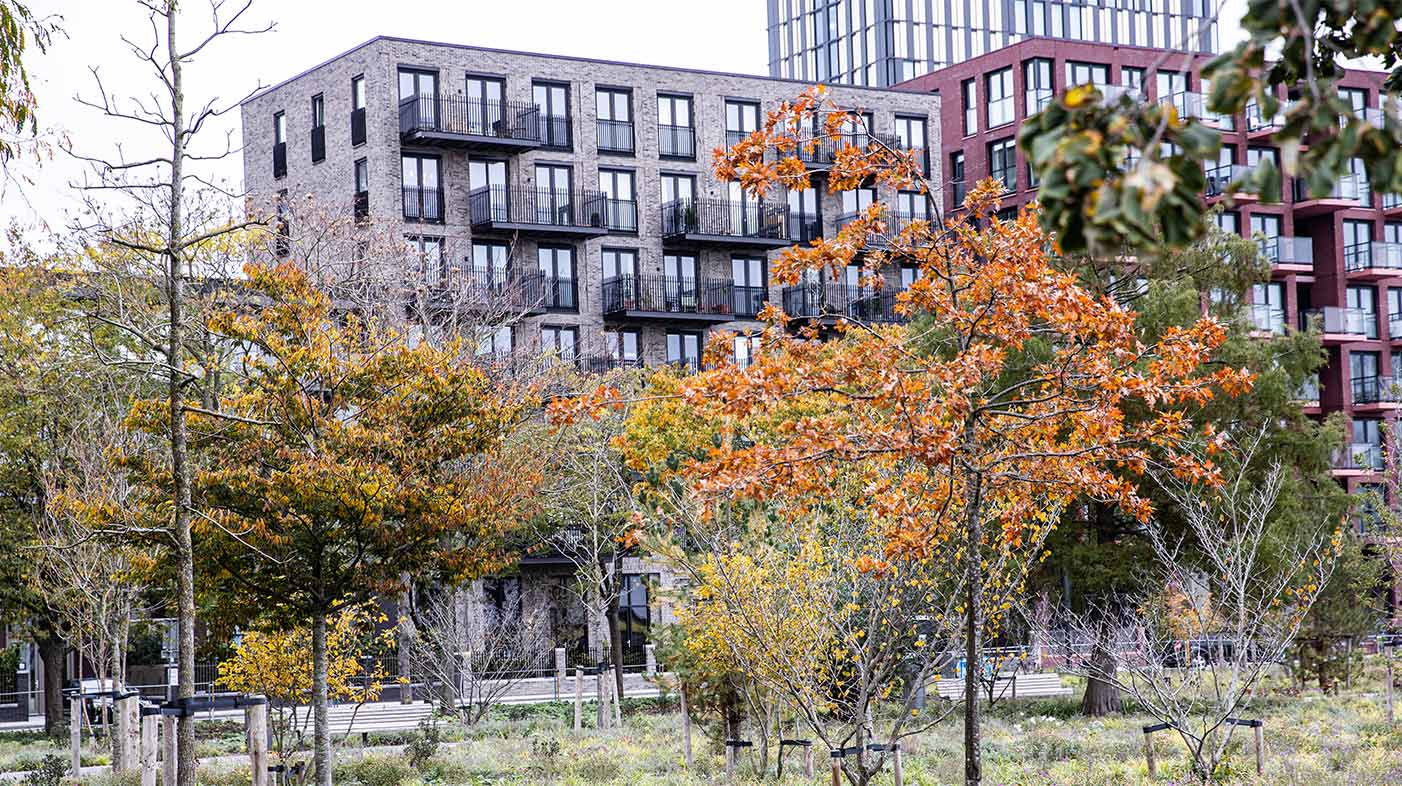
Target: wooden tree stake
(578,699)
(168,759)
(686,727)
(149,749)
(255,720)
(75,733)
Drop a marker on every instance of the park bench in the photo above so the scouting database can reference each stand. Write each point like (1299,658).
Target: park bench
(1011,686)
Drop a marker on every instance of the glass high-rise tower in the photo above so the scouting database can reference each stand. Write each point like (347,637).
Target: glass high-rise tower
(882,42)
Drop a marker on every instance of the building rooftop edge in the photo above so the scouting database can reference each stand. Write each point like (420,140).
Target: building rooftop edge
(568,58)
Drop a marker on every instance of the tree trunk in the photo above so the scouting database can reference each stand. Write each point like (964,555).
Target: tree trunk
(1102,695)
(406,644)
(611,601)
(51,652)
(973,632)
(175,357)
(321,729)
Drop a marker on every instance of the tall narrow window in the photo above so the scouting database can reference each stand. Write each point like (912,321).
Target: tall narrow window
(358,110)
(423,194)
(684,349)
(741,119)
(486,108)
(749,285)
(427,253)
(613,115)
(805,222)
(1363,303)
(557,266)
(956,177)
(490,264)
(620,199)
(1038,90)
(486,189)
(1265,230)
(554,195)
(284,226)
(621,285)
(418,99)
(553,102)
(621,347)
(676,127)
(969,103)
(1086,74)
(998,88)
(279,144)
(1358,244)
(318,134)
(362,189)
(911,135)
(1002,163)
(560,342)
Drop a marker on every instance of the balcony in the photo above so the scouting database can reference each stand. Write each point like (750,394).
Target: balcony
(499,296)
(831,301)
(668,299)
(621,215)
(1350,191)
(1358,458)
(895,223)
(423,204)
(1394,326)
(615,136)
(1307,394)
(676,141)
(1373,260)
(1392,205)
(1194,105)
(1290,253)
(1258,124)
(1221,177)
(1337,323)
(1376,391)
(726,222)
(805,227)
(1267,319)
(539,211)
(478,124)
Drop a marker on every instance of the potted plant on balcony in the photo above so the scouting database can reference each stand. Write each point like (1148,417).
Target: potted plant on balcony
(595,219)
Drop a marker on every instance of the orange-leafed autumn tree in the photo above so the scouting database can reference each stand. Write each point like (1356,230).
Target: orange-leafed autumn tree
(1005,400)
(344,457)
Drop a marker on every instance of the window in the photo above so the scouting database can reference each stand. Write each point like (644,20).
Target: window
(678,188)
(358,110)
(620,278)
(418,98)
(490,264)
(1364,300)
(622,347)
(998,88)
(613,114)
(911,204)
(556,265)
(1356,98)
(1358,244)
(619,263)
(1002,163)
(749,285)
(1366,450)
(283,245)
(1173,88)
(486,107)
(969,103)
(676,129)
(553,101)
(1363,376)
(1255,155)
(1086,74)
(634,616)
(559,341)
(620,203)
(910,135)
(1220,173)
(1229,222)
(427,254)
(684,349)
(362,189)
(1037,86)
(679,267)
(1268,307)
(909,275)
(554,195)
(856,200)
(805,222)
(279,144)
(956,177)
(318,128)
(746,348)
(1265,229)
(423,197)
(741,119)
(498,344)
(1133,78)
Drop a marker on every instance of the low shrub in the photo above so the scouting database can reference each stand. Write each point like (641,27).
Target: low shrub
(375,770)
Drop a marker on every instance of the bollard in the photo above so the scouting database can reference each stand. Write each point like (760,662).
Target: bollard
(1389,689)
(578,699)
(75,733)
(808,762)
(686,726)
(650,659)
(168,757)
(149,723)
(122,758)
(1260,749)
(836,758)
(897,770)
(560,671)
(601,711)
(255,718)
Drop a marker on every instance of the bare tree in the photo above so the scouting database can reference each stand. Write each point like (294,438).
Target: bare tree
(476,658)
(1230,596)
(172,213)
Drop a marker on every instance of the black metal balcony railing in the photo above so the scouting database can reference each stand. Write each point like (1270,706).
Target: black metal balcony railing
(280,159)
(318,139)
(537,206)
(1376,389)
(725,218)
(615,136)
(667,295)
(676,141)
(748,300)
(554,130)
(804,227)
(1358,256)
(357,123)
(831,299)
(1366,456)
(361,205)
(423,204)
(621,215)
(507,120)
(559,294)
(484,291)
(895,224)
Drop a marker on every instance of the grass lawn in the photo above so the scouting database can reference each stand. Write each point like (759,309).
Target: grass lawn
(1312,740)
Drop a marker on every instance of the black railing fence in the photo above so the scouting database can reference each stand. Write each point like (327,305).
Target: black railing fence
(676,141)
(615,135)
(517,120)
(539,206)
(725,218)
(667,294)
(831,299)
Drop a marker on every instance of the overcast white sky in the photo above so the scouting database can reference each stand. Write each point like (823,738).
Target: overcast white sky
(726,35)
